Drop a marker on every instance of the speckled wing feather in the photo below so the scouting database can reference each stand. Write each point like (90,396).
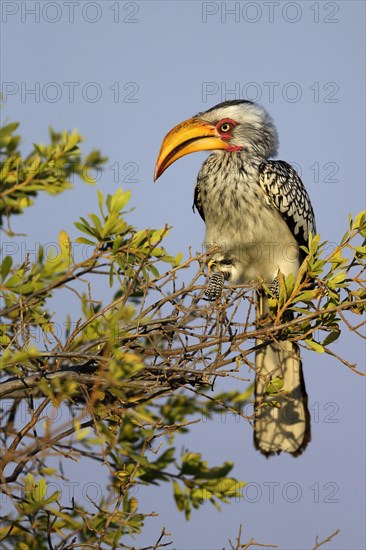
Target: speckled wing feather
(197,202)
(287,193)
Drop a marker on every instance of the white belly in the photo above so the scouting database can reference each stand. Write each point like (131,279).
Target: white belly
(257,253)
(248,229)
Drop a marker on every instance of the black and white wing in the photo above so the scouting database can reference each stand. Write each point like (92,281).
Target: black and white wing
(287,193)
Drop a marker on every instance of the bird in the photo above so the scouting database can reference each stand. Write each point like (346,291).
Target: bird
(258,217)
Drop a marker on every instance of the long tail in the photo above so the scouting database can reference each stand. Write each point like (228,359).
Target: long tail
(282,419)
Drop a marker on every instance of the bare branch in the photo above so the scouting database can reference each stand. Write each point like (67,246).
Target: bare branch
(328,539)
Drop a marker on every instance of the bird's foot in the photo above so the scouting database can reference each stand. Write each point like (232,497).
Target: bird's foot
(216,284)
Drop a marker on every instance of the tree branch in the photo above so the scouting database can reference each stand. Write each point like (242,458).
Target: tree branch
(328,539)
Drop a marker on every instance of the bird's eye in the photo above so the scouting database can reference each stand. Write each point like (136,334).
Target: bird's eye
(225,128)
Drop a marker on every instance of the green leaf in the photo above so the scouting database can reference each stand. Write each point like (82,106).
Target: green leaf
(177,259)
(35,491)
(315,346)
(179,496)
(359,220)
(53,498)
(360,249)
(82,240)
(344,238)
(21,356)
(101,201)
(306,296)
(97,223)
(314,244)
(72,140)
(157,235)
(289,282)
(85,227)
(332,337)
(337,278)
(119,200)
(8,129)
(275,385)
(6,266)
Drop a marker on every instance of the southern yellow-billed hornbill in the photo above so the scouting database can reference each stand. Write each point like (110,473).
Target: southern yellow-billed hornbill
(258,213)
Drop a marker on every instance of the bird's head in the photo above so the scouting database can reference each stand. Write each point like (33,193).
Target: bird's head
(233,126)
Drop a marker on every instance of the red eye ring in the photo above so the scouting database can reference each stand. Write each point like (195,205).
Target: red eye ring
(225,126)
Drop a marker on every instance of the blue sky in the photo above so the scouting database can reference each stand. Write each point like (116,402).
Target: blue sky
(124,73)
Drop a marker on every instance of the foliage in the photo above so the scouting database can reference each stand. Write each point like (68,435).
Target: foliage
(134,371)
(48,168)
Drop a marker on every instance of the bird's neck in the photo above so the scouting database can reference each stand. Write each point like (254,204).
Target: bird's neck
(237,162)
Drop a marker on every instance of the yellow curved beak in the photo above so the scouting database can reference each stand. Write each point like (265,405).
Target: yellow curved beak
(189,136)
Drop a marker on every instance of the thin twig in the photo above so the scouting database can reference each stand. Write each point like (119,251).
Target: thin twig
(328,539)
